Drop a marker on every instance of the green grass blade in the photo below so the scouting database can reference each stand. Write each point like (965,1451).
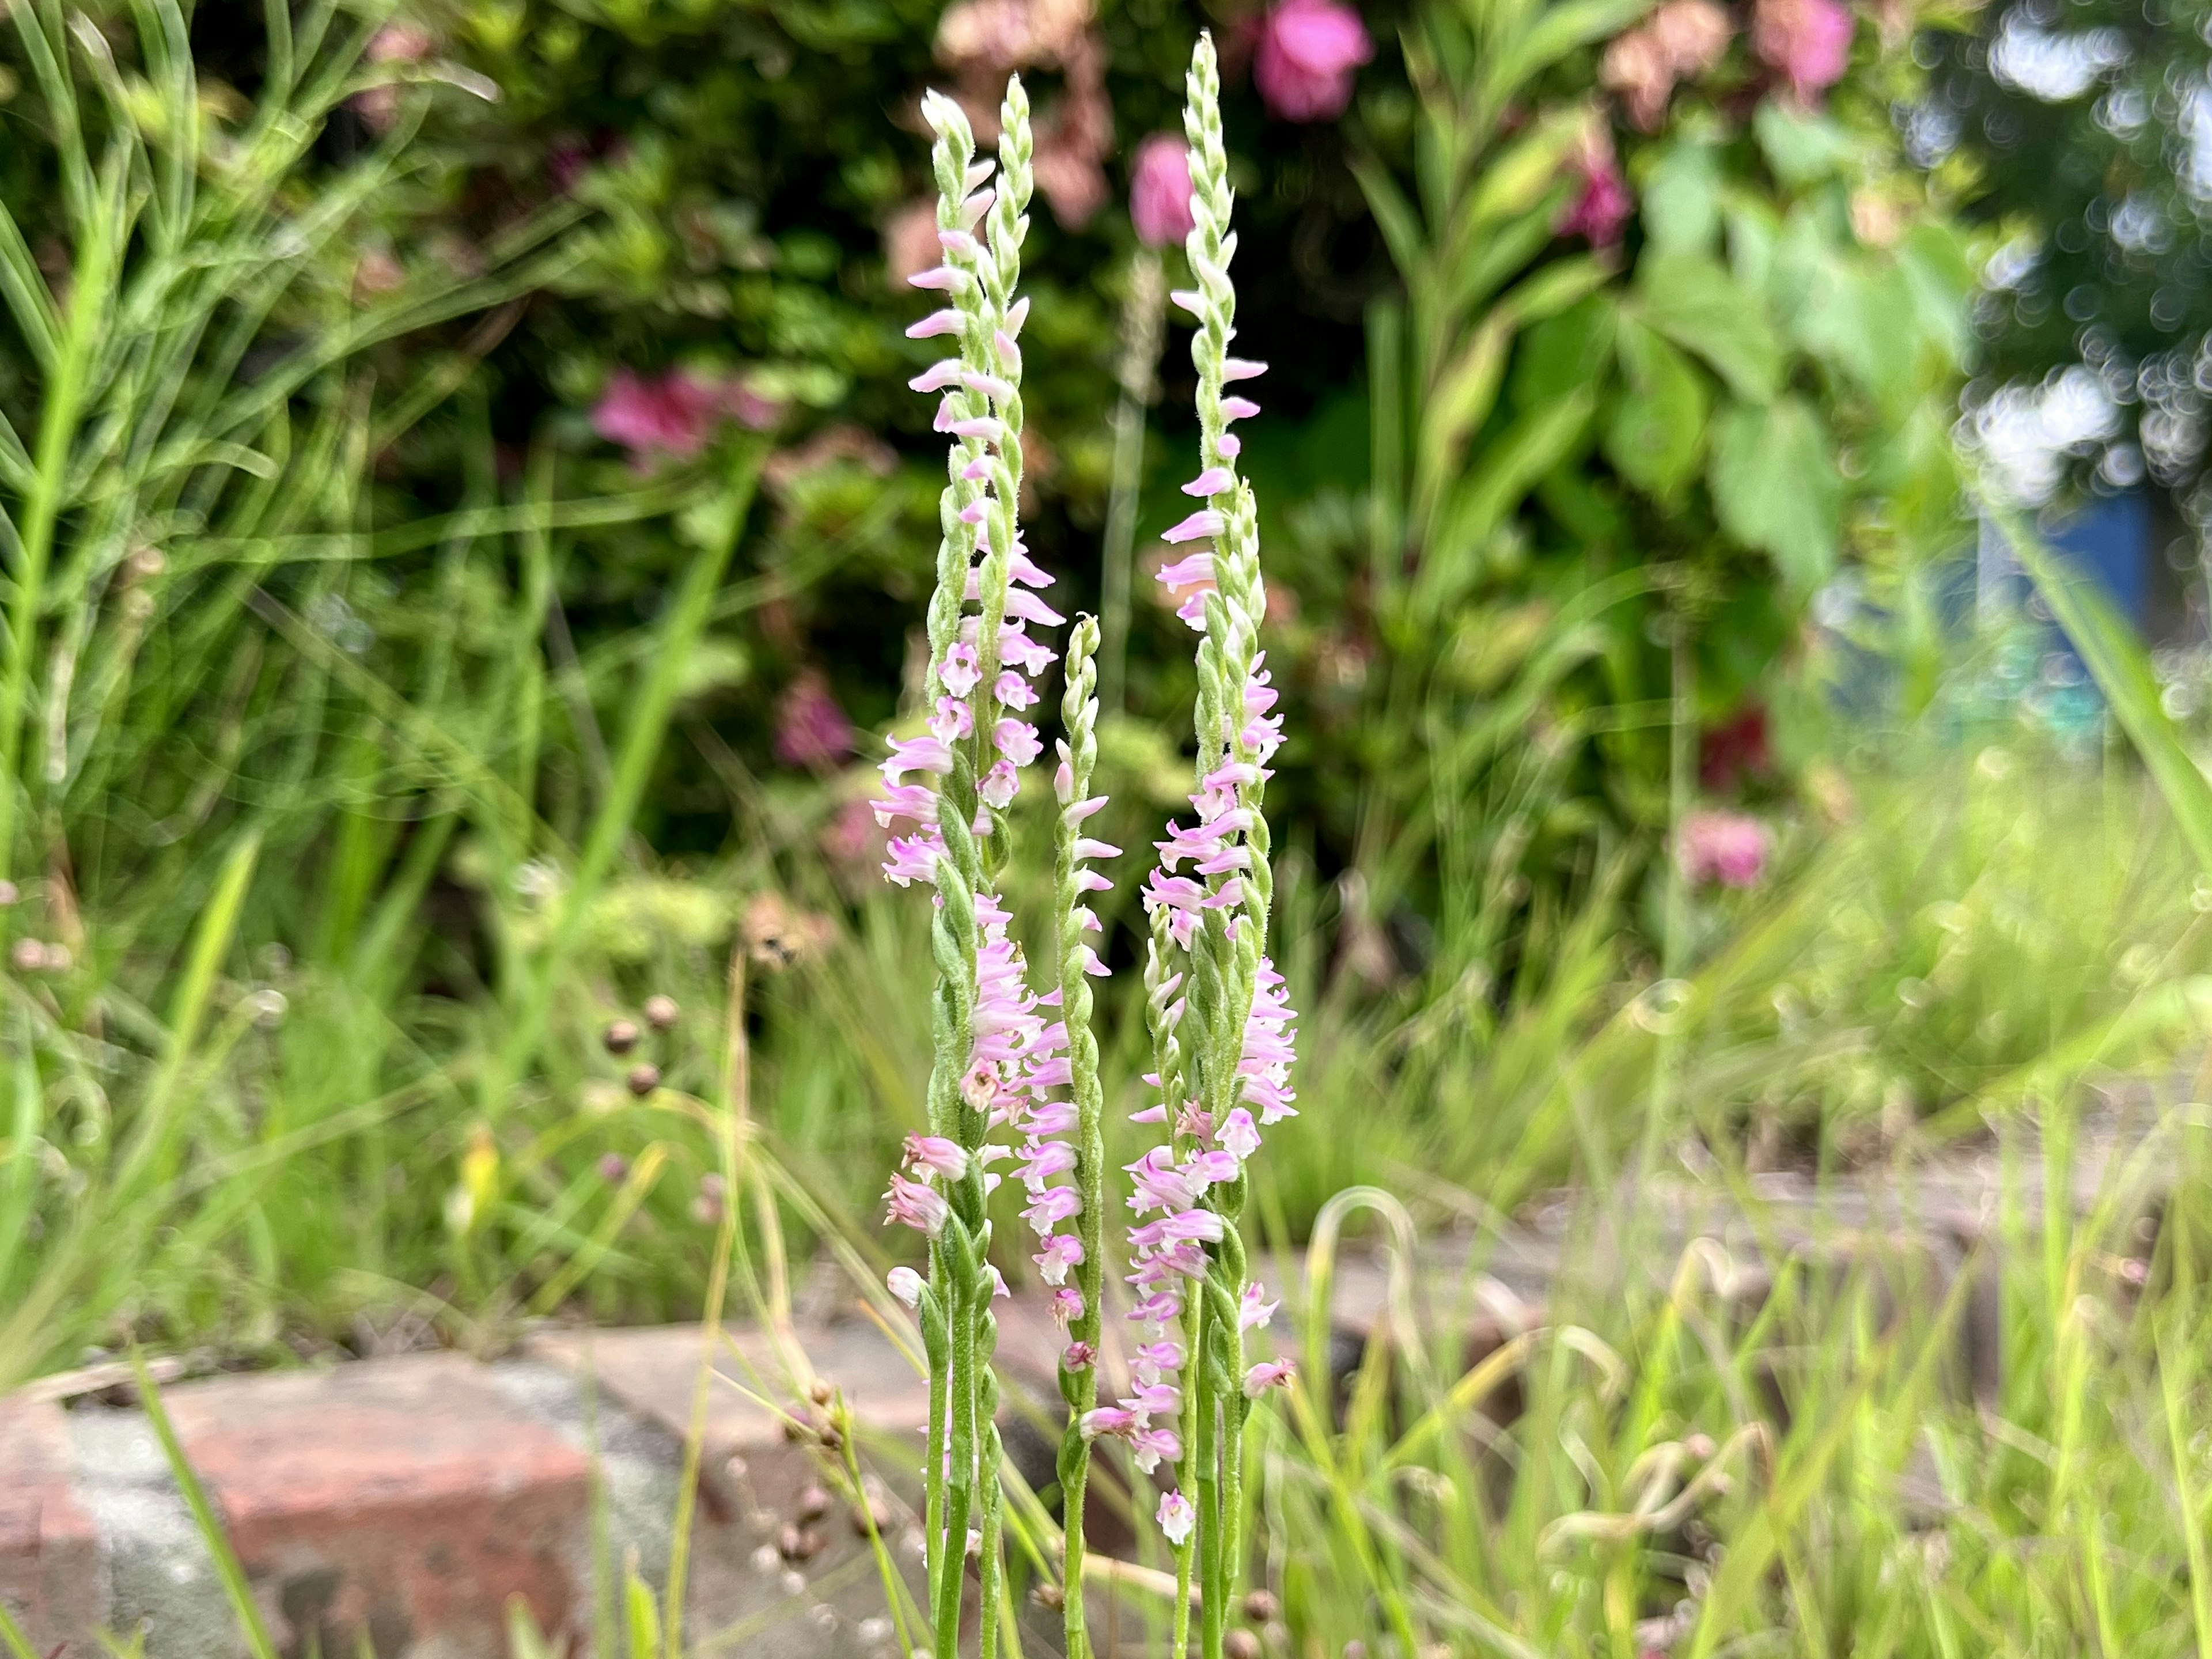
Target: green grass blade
(686,620)
(11,1634)
(188,1005)
(235,1589)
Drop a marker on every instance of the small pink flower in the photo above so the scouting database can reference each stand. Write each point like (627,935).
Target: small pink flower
(1176,1517)
(1106,1420)
(1257,1309)
(1807,42)
(1309,52)
(1159,191)
(1729,850)
(1268,1374)
(909,1202)
(905,1283)
(810,728)
(935,1155)
(1603,206)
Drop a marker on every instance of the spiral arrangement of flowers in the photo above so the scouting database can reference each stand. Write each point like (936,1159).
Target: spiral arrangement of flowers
(1015,1074)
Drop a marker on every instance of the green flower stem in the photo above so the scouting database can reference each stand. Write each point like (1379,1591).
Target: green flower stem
(1079,1389)
(1223,971)
(962,1478)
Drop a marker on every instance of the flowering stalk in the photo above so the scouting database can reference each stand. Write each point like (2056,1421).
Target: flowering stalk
(1079,964)
(1222,1045)
(1213,1002)
(985,1030)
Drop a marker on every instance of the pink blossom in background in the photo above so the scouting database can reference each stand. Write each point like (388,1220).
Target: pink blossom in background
(1681,41)
(566,163)
(910,245)
(810,728)
(676,413)
(1598,212)
(395,43)
(1807,42)
(1159,191)
(852,840)
(1309,52)
(1722,849)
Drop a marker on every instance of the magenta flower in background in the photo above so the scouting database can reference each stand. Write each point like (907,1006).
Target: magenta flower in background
(673,414)
(1159,191)
(1603,206)
(1807,42)
(1309,52)
(1722,849)
(810,728)
(676,413)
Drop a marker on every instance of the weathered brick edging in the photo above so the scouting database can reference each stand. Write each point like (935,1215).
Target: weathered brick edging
(409,1497)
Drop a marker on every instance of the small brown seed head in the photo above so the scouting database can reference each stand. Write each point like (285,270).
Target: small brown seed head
(660,1013)
(643,1079)
(621,1038)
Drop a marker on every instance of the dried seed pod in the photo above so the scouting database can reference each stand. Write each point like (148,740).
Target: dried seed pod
(643,1079)
(1260,1607)
(798,1543)
(620,1036)
(813,1503)
(820,1391)
(660,1013)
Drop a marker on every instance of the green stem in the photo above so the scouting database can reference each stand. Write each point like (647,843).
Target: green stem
(952,1560)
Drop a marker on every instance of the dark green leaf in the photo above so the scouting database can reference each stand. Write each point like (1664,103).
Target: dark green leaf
(1692,300)
(1566,353)
(1776,487)
(1657,432)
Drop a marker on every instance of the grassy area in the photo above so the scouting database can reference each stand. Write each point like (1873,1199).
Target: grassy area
(370,981)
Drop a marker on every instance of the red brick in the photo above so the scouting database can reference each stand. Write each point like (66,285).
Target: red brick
(408,1498)
(50,1573)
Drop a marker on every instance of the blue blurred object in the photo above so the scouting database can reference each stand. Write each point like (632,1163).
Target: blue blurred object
(2108,539)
